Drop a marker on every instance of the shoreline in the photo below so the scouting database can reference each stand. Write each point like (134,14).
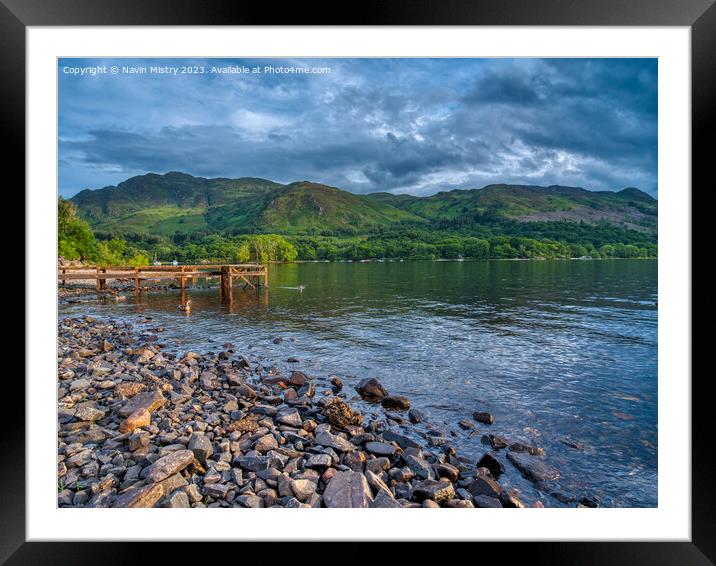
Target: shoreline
(140,427)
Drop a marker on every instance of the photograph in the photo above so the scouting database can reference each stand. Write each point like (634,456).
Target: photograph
(357,282)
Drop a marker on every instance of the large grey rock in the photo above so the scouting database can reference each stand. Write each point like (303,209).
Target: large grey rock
(145,496)
(421,468)
(265,443)
(319,462)
(380,448)
(87,412)
(258,463)
(385,500)
(487,502)
(291,418)
(496,441)
(177,500)
(149,400)
(303,489)
(400,439)
(170,464)
(484,484)
(436,490)
(533,468)
(491,463)
(396,402)
(483,417)
(324,438)
(347,489)
(370,388)
(201,446)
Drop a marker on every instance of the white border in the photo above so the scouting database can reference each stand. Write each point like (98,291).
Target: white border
(670,521)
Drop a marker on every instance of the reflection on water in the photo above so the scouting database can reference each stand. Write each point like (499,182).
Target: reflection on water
(564,353)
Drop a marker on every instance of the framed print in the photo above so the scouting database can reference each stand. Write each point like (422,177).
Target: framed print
(283,265)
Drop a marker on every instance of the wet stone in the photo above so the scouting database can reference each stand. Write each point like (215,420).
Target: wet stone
(491,463)
(482,417)
(484,484)
(396,402)
(532,467)
(371,388)
(421,468)
(496,441)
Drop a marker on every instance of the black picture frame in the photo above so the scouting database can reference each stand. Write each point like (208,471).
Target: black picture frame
(700,15)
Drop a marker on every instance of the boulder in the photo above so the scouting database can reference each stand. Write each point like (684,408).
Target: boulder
(145,496)
(532,467)
(201,447)
(370,388)
(290,417)
(396,402)
(129,389)
(340,415)
(385,500)
(138,419)
(298,378)
(170,464)
(482,417)
(496,441)
(491,463)
(149,400)
(435,490)
(347,490)
(484,484)
(380,448)
(485,501)
(400,439)
(521,447)
(333,441)
(88,413)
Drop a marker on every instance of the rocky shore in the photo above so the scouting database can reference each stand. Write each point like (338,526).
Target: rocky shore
(141,427)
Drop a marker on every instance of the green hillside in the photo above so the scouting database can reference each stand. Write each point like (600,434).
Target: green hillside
(312,208)
(629,208)
(177,203)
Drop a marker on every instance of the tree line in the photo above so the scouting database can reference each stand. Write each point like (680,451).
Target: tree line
(549,240)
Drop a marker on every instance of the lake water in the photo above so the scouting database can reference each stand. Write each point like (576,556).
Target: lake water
(563,353)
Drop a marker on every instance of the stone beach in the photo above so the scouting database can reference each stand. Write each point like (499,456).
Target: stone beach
(140,426)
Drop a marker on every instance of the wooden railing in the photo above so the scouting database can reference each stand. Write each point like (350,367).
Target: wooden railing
(252,274)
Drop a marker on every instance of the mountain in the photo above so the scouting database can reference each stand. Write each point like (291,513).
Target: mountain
(163,205)
(629,208)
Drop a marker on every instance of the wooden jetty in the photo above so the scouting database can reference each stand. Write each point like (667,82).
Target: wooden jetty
(253,275)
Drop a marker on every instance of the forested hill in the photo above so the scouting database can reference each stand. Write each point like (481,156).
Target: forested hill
(180,204)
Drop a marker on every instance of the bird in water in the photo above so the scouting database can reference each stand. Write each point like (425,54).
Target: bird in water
(186,307)
(301,288)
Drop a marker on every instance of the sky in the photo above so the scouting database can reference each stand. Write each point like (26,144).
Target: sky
(416,126)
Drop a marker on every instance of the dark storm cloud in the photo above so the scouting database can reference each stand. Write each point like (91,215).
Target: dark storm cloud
(414,125)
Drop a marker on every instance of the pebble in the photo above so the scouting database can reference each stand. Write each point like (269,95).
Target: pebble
(222,430)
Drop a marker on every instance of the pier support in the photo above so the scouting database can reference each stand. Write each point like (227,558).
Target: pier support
(226,283)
